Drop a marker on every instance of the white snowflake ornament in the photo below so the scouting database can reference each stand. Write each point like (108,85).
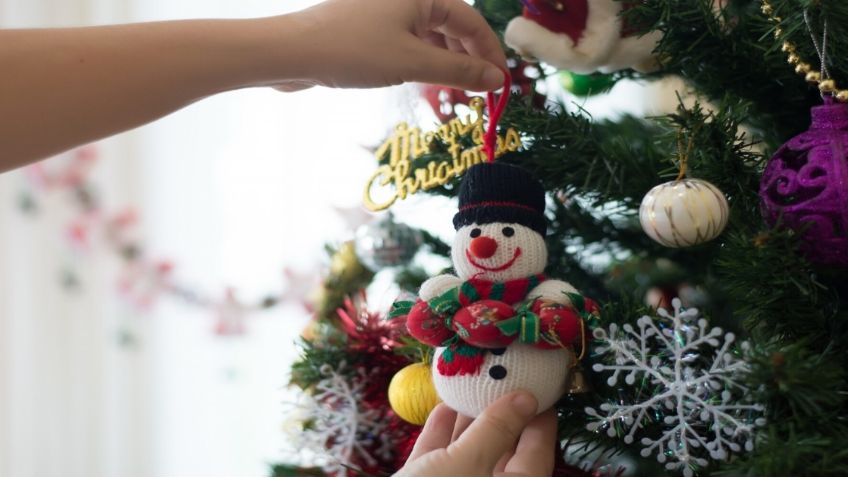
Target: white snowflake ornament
(341,429)
(705,410)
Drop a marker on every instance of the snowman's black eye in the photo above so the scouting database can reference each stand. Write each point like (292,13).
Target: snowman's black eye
(498,351)
(497,372)
(475,233)
(508,231)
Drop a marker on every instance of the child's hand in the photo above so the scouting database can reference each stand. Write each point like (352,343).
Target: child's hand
(373,43)
(507,439)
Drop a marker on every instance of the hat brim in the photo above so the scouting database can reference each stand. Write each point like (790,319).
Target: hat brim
(491,214)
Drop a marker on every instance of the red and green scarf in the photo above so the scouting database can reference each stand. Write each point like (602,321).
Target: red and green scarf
(476,289)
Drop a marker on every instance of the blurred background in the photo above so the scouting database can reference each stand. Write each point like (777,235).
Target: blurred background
(103,372)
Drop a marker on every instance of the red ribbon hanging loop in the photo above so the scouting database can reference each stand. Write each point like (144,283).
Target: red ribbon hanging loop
(490,140)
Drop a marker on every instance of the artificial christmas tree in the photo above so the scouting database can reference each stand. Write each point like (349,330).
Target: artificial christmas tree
(668,391)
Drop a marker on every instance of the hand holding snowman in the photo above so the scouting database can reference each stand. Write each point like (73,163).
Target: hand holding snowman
(500,325)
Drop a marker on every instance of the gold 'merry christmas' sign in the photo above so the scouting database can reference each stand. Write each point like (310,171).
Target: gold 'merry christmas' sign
(397,180)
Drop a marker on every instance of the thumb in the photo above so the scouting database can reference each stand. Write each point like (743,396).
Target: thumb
(455,69)
(495,432)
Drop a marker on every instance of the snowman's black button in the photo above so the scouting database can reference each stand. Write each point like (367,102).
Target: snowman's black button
(508,231)
(475,233)
(497,372)
(498,351)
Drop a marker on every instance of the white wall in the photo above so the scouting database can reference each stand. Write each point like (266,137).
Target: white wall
(232,189)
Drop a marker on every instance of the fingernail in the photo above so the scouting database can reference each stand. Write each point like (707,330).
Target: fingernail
(525,404)
(493,77)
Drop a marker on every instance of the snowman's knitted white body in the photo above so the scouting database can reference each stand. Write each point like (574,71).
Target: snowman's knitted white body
(501,252)
(582,36)
(542,372)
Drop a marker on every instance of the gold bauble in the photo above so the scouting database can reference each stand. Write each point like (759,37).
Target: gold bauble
(793,59)
(842,96)
(827,86)
(802,68)
(344,259)
(412,394)
(309,332)
(788,48)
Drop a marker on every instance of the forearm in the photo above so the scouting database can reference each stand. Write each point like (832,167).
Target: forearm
(60,88)
(65,87)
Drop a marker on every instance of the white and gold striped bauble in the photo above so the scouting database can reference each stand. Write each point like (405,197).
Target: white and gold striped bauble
(684,212)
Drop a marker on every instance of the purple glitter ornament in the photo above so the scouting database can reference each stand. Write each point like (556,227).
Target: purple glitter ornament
(806,183)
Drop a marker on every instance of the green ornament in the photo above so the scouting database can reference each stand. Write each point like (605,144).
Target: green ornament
(525,323)
(586,85)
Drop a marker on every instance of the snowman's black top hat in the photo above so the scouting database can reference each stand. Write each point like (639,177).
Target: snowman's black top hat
(500,192)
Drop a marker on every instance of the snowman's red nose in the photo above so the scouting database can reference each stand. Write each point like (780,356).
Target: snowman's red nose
(483,247)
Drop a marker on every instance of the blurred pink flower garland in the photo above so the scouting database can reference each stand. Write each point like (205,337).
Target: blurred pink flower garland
(143,279)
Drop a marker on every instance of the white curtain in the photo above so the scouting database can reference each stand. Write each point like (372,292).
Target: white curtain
(71,398)
(231,189)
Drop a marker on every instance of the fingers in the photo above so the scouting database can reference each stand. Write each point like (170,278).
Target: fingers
(462,423)
(534,455)
(456,19)
(458,70)
(455,45)
(435,38)
(502,462)
(292,86)
(436,433)
(496,430)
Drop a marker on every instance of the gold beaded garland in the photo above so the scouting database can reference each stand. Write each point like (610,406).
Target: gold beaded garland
(826,86)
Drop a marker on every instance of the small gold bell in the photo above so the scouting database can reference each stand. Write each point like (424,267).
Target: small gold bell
(577,382)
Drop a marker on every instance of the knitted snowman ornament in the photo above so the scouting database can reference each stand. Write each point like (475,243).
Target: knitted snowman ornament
(499,325)
(582,36)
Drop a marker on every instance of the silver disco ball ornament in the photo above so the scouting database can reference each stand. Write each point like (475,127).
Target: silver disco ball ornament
(386,243)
